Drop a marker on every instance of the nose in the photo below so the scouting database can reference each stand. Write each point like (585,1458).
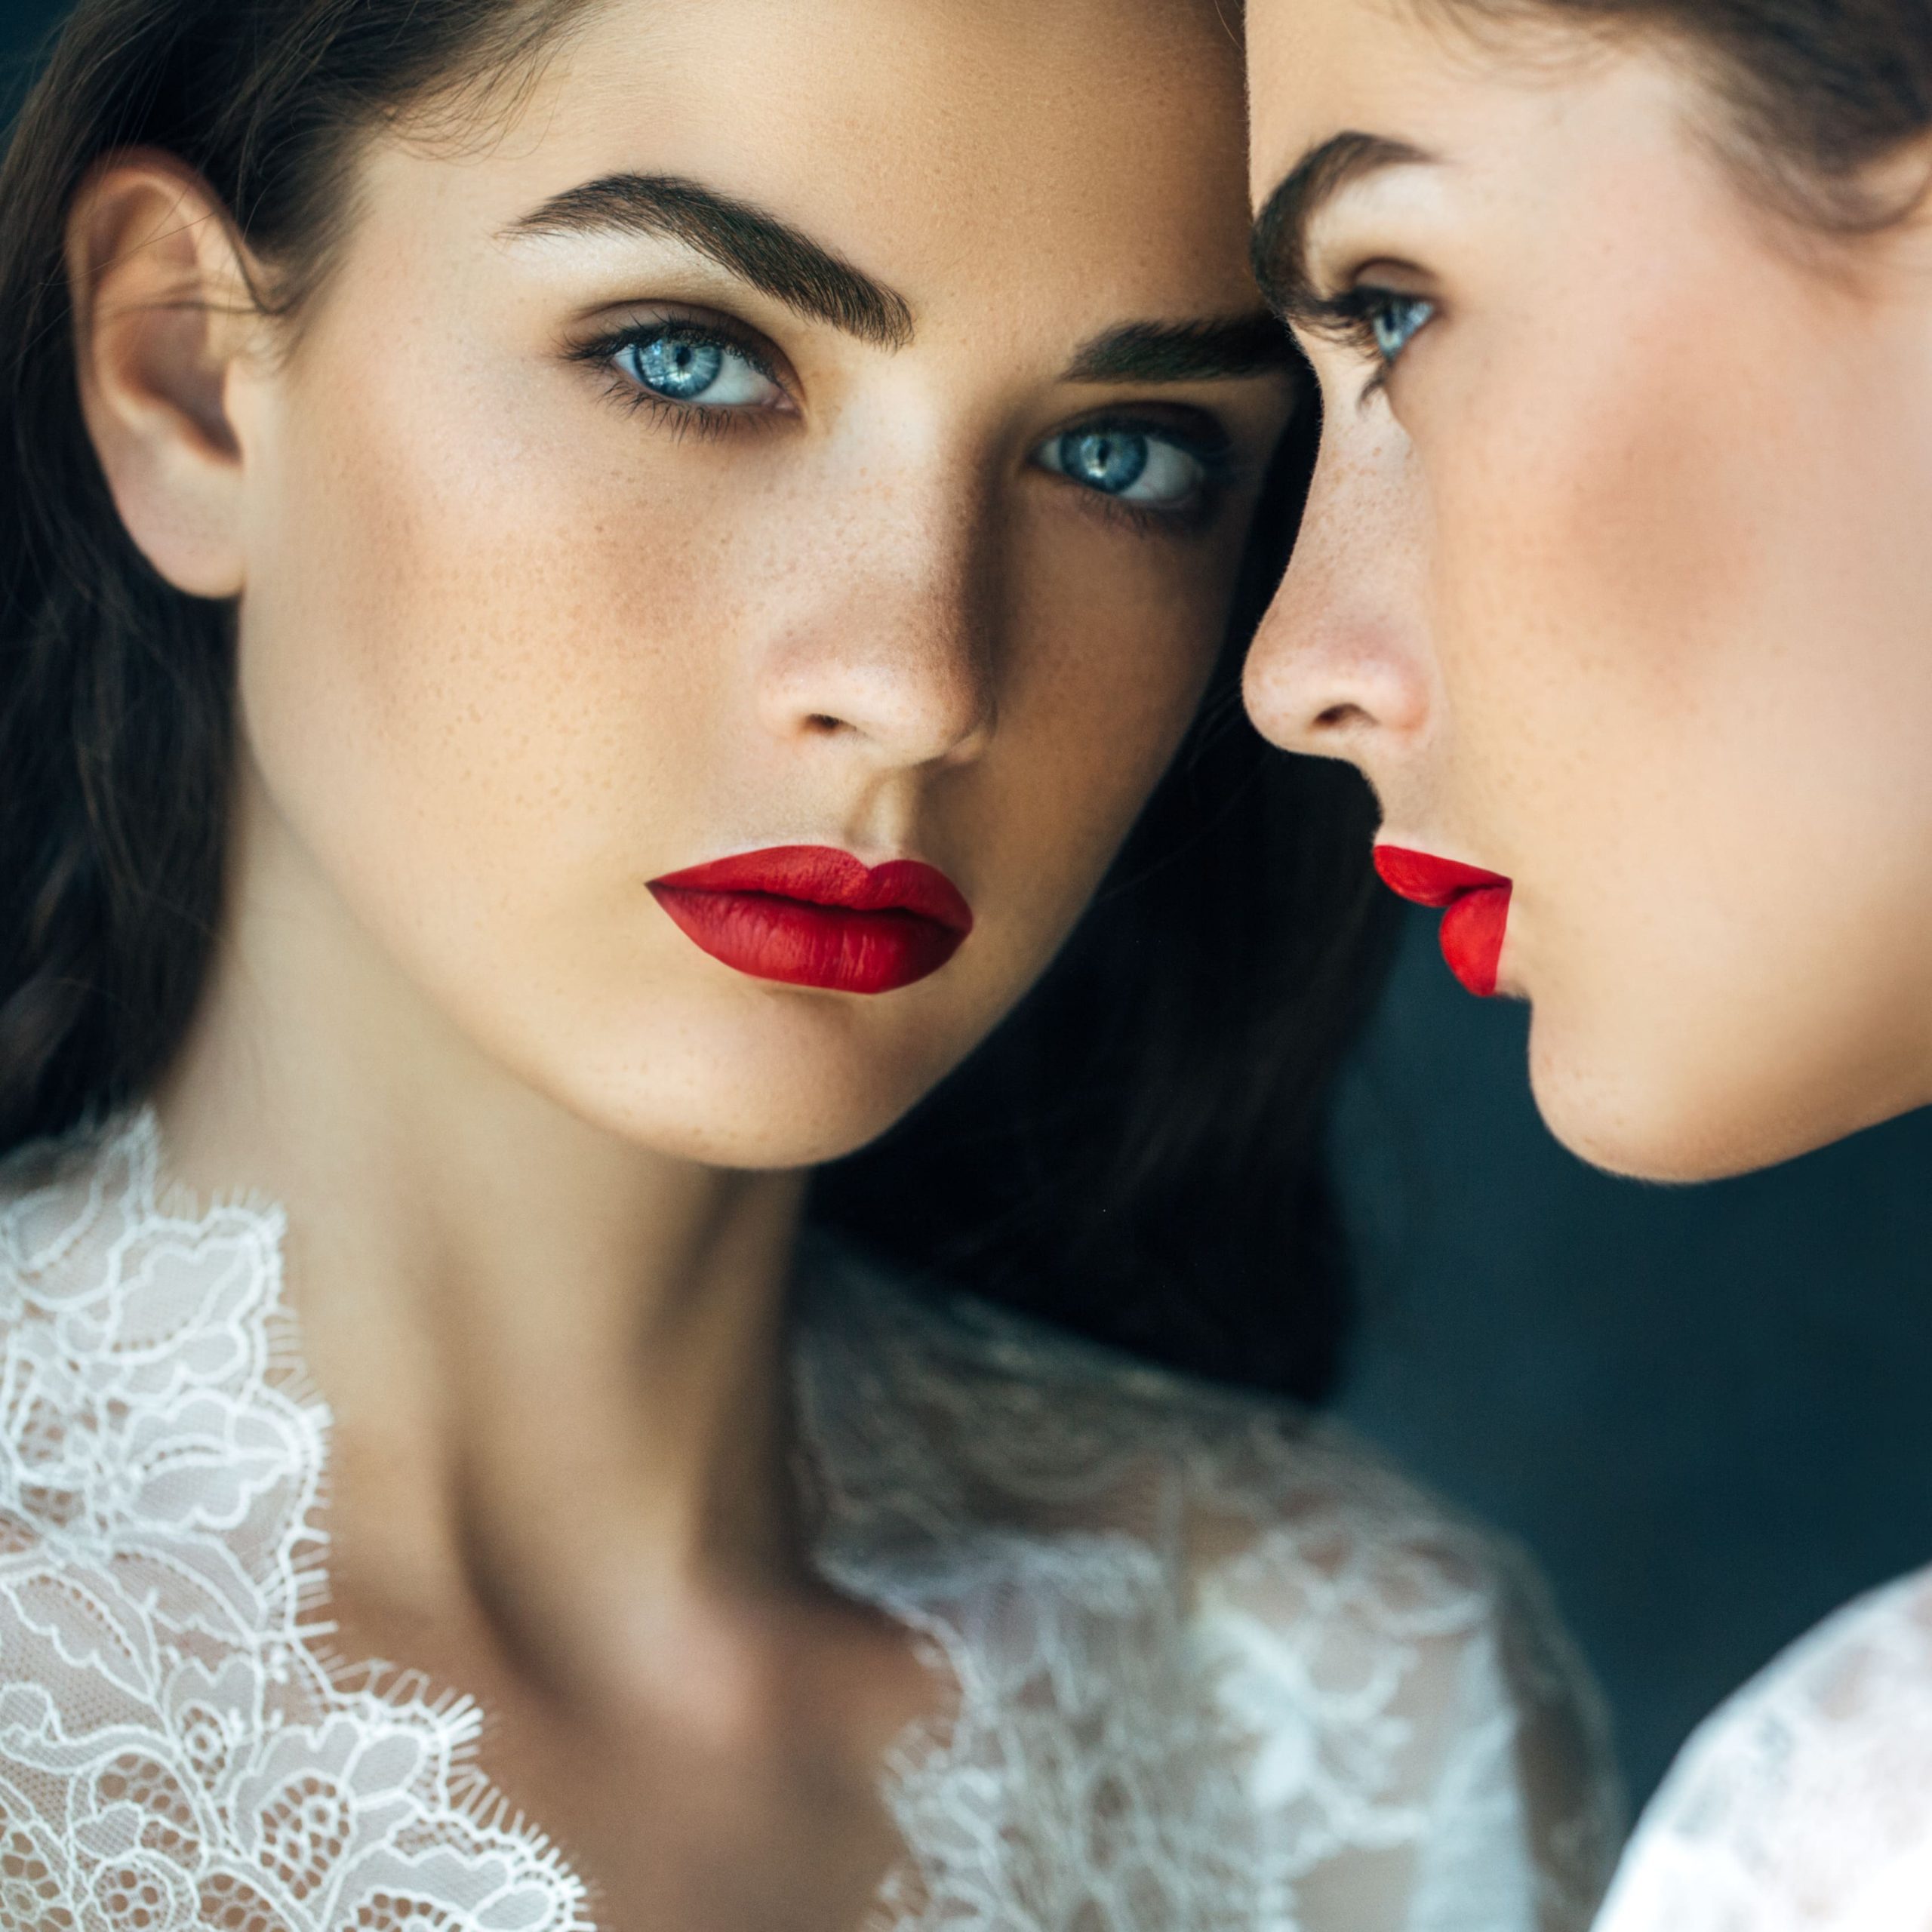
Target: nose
(896,656)
(1339,666)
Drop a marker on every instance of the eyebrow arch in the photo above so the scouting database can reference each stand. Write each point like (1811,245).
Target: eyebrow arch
(757,247)
(1278,247)
(1217,348)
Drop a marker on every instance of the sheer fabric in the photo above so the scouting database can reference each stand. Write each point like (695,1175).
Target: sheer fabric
(1209,1666)
(1805,1805)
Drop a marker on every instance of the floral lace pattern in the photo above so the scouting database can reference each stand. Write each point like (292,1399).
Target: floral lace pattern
(173,1753)
(1805,1805)
(1213,1667)
(1218,1667)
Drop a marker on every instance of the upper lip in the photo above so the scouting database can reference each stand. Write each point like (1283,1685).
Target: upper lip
(1429,880)
(824,875)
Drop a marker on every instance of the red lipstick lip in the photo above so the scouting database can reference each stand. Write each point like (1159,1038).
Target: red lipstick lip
(812,915)
(1474,906)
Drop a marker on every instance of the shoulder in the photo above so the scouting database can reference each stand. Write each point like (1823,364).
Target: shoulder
(1018,1412)
(1800,1807)
(118,1300)
(1389,1678)
(1011,1421)
(153,1417)
(55,1195)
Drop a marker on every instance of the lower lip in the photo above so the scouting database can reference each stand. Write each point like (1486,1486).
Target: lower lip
(750,914)
(1474,906)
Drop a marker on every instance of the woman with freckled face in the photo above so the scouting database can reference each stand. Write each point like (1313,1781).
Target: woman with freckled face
(1614,581)
(623,772)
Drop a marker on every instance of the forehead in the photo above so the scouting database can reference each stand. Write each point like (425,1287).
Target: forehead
(975,149)
(1531,110)
(1320,68)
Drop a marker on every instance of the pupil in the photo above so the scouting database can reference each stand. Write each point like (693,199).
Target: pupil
(1105,459)
(679,368)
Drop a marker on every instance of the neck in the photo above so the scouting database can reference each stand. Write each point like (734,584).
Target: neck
(554,1357)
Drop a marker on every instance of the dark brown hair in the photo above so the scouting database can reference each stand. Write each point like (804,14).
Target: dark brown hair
(1815,93)
(1137,1151)
(116,721)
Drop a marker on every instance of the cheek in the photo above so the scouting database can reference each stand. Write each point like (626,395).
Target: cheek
(1112,639)
(1586,561)
(1644,588)
(457,659)
(1680,609)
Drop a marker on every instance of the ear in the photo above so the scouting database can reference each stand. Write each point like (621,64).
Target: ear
(164,320)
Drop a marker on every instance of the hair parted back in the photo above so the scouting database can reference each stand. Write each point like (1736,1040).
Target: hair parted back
(116,721)
(1818,93)
(1136,1152)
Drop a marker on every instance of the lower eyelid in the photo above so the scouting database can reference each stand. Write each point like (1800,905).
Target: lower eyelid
(1191,518)
(1193,513)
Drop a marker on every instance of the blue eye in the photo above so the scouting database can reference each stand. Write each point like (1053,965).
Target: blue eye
(1133,465)
(1109,460)
(1396,320)
(690,365)
(676,366)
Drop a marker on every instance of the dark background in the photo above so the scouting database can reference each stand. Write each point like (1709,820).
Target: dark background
(1706,1411)
(23,22)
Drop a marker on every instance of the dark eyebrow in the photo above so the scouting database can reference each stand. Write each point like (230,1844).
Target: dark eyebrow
(757,247)
(1211,350)
(1279,246)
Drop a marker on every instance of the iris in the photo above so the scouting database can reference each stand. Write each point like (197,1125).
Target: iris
(680,368)
(1110,460)
(1397,320)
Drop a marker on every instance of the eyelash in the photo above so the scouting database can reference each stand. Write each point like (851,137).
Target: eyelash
(1209,447)
(706,421)
(1351,317)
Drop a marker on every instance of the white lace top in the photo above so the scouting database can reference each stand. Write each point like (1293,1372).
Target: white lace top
(1805,1805)
(1215,1669)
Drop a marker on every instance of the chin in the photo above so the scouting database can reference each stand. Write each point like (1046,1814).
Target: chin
(1709,1102)
(1651,1114)
(792,1088)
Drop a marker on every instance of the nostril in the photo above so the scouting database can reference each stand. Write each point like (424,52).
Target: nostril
(823,723)
(1342,714)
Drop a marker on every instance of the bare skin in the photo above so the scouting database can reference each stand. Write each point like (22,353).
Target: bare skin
(515,641)
(1615,581)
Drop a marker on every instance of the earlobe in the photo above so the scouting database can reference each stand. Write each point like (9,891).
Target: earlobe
(162,317)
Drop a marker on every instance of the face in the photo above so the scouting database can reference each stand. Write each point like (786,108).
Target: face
(1615,581)
(831,428)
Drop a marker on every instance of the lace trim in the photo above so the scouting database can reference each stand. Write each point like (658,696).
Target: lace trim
(173,1750)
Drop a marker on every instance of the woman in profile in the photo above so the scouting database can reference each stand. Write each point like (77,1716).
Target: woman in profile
(1615,582)
(592,591)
